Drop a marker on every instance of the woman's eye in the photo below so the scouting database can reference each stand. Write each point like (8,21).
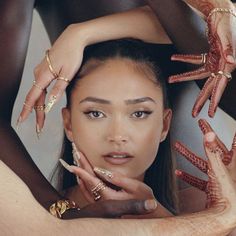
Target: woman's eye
(94,114)
(141,114)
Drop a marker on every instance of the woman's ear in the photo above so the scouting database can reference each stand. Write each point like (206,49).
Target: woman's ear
(167,117)
(67,123)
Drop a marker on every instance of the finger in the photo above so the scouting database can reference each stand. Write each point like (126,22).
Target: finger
(115,209)
(206,128)
(56,92)
(127,184)
(85,192)
(192,180)
(191,58)
(219,87)
(190,156)
(40,115)
(203,96)
(219,174)
(198,74)
(85,164)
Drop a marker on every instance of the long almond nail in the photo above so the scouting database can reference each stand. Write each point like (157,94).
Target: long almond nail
(18,123)
(50,104)
(105,173)
(66,166)
(38,131)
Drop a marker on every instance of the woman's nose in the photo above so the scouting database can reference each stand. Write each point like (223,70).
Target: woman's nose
(117,133)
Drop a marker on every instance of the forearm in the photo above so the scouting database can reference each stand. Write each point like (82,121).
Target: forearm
(15,194)
(140,23)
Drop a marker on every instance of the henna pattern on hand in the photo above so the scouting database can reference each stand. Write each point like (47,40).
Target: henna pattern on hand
(210,187)
(220,58)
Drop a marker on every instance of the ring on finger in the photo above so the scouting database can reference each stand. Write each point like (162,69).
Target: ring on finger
(225,74)
(39,107)
(97,189)
(37,86)
(27,107)
(63,79)
(204,57)
(54,73)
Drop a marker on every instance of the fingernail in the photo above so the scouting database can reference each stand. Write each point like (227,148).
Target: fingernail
(76,155)
(210,141)
(105,173)
(38,131)
(77,179)
(150,204)
(178,172)
(66,166)
(18,123)
(50,104)
(230,59)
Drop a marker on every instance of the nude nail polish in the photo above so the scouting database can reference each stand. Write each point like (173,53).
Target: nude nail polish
(66,166)
(18,123)
(105,173)
(150,204)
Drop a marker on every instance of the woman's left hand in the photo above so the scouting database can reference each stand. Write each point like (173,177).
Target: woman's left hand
(218,63)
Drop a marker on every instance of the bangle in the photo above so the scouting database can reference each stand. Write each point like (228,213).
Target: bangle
(58,208)
(221,10)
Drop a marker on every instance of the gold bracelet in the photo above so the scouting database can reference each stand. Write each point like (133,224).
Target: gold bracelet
(221,10)
(58,208)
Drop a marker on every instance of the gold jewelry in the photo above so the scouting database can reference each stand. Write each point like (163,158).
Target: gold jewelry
(204,57)
(27,107)
(37,86)
(50,65)
(225,74)
(50,104)
(220,10)
(96,189)
(63,79)
(39,108)
(58,208)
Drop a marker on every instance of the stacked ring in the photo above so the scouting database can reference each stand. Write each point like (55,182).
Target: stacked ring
(96,189)
(204,57)
(39,107)
(37,86)
(27,107)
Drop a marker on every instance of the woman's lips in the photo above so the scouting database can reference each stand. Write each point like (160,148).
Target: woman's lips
(117,158)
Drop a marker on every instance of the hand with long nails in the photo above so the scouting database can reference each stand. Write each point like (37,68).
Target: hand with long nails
(218,63)
(101,184)
(228,157)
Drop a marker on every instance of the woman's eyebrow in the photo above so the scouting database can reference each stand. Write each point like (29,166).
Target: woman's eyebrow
(94,99)
(139,100)
(127,102)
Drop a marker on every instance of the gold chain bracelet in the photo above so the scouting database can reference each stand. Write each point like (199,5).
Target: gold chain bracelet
(58,208)
(220,10)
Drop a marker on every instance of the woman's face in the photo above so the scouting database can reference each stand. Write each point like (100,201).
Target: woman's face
(117,118)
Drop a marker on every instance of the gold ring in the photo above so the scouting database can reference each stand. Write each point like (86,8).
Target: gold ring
(37,86)
(225,74)
(50,65)
(39,107)
(204,57)
(27,107)
(97,189)
(63,79)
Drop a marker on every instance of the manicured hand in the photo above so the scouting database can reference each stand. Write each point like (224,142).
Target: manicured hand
(216,65)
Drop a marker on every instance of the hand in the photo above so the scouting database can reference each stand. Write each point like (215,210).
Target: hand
(228,157)
(217,64)
(113,209)
(65,58)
